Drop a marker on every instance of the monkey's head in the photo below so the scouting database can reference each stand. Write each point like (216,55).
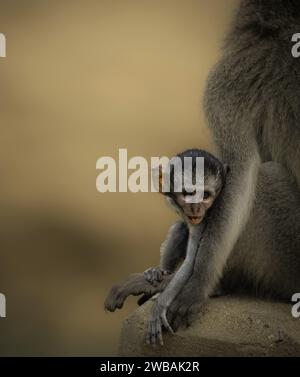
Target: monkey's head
(201,181)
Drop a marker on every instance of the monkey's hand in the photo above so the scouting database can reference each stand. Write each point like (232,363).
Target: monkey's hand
(158,320)
(155,275)
(185,308)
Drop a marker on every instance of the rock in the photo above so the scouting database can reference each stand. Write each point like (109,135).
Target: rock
(227,326)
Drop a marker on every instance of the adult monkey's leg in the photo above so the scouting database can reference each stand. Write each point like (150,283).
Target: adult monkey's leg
(134,285)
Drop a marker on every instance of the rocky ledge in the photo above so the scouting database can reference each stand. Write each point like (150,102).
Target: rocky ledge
(227,326)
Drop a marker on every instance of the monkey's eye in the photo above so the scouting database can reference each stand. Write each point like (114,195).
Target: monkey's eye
(206,195)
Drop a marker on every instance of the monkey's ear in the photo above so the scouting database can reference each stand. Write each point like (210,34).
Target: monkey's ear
(227,168)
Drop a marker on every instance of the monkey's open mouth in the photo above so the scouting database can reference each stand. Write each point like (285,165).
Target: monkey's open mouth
(195,219)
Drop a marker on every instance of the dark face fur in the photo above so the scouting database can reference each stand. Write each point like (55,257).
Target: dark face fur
(214,178)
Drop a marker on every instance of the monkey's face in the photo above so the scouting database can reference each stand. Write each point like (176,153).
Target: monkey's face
(193,200)
(192,213)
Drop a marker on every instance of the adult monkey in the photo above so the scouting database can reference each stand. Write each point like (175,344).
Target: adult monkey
(252,104)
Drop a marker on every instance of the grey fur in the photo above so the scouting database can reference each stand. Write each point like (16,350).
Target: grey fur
(182,242)
(173,249)
(251,240)
(164,300)
(252,104)
(266,258)
(172,252)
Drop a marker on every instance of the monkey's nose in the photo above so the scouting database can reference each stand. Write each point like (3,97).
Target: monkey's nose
(195,210)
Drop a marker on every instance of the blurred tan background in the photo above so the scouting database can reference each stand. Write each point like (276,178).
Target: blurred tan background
(81,80)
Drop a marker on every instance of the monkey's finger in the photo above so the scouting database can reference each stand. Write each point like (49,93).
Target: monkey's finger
(148,275)
(153,333)
(165,321)
(157,275)
(148,334)
(159,333)
(156,332)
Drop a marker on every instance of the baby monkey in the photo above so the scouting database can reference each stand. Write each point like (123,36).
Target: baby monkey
(183,241)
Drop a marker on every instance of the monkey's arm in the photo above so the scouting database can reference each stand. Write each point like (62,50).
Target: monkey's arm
(159,311)
(226,220)
(172,251)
